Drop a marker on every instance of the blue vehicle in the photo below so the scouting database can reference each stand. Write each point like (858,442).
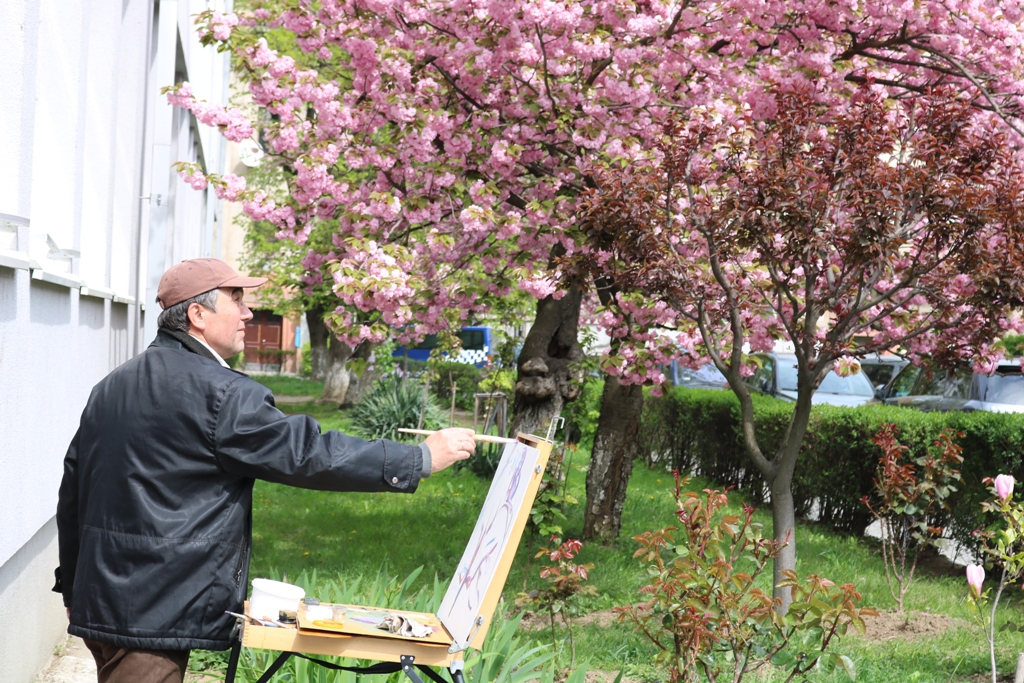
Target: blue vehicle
(476,347)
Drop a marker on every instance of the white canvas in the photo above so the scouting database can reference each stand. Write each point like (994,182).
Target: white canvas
(462,601)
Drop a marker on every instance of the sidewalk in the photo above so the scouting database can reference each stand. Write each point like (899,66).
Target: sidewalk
(71,663)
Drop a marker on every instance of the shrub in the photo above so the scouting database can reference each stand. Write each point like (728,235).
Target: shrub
(1013,345)
(581,415)
(699,430)
(709,619)
(466,378)
(391,404)
(441,374)
(564,586)
(484,462)
(910,494)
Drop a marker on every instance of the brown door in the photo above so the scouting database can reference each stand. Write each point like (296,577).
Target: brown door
(263,340)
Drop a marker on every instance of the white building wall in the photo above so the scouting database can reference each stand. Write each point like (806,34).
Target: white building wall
(91,214)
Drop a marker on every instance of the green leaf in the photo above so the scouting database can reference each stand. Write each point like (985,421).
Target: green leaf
(847,665)
(784,659)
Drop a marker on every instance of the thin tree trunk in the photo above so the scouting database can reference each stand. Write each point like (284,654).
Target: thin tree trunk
(778,475)
(611,463)
(319,336)
(784,531)
(546,379)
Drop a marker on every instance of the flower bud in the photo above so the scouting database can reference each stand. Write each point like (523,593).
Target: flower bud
(975,577)
(1004,486)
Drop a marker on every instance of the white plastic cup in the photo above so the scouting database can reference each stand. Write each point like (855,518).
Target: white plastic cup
(270,597)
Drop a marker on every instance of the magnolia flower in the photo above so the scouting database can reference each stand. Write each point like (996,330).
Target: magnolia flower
(1004,486)
(975,577)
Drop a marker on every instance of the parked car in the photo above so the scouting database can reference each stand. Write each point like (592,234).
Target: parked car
(705,377)
(882,368)
(776,376)
(931,388)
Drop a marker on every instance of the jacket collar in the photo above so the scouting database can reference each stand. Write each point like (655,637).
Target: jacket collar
(167,338)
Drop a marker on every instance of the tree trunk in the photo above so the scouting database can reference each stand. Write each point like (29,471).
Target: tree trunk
(319,337)
(360,385)
(336,377)
(611,463)
(784,531)
(778,475)
(546,381)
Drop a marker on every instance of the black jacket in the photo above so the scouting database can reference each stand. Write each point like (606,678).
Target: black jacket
(154,516)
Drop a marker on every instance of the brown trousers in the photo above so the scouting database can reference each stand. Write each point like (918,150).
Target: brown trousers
(116,664)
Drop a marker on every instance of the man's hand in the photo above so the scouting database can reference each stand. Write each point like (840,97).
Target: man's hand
(448,446)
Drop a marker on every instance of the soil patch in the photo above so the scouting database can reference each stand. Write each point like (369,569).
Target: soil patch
(886,626)
(606,677)
(535,621)
(911,625)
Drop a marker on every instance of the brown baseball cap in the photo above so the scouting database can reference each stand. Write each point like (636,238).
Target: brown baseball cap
(193,277)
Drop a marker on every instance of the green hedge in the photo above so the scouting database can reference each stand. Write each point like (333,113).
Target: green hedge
(467,379)
(698,430)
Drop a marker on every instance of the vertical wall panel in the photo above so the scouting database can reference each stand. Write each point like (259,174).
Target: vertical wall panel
(84,133)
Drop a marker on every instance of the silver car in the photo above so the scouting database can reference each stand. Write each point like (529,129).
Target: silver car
(776,377)
(930,388)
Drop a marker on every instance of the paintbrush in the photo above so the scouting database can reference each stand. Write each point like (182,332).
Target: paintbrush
(486,438)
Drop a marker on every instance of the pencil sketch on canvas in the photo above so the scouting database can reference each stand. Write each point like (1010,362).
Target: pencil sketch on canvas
(461,603)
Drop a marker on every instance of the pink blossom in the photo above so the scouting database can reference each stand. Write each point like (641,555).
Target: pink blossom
(762,105)
(181,96)
(844,367)
(194,177)
(539,287)
(472,129)
(975,577)
(1004,486)
(231,187)
(221,25)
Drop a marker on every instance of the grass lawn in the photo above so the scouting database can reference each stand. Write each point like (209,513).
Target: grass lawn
(286,385)
(347,535)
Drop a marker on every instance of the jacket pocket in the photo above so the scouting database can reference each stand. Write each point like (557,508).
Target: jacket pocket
(240,563)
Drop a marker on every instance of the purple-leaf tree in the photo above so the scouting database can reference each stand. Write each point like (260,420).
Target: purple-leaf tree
(843,230)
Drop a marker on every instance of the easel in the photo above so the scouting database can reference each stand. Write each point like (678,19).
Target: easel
(406,654)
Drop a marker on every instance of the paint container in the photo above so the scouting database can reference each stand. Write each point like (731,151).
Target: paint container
(270,597)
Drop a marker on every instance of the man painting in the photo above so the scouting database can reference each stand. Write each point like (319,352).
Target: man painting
(154,515)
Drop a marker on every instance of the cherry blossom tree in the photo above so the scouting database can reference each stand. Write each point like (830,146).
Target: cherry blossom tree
(480,124)
(301,283)
(846,231)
